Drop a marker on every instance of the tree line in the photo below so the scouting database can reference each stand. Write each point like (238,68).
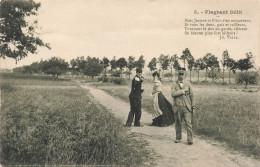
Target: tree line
(208,62)
(93,66)
(89,66)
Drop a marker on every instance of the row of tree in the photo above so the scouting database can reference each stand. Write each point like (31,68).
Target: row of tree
(90,66)
(209,62)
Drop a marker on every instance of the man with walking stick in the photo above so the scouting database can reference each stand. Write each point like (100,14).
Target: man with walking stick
(183,105)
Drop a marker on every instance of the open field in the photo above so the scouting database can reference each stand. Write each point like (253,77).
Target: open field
(225,112)
(61,125)
(22,79)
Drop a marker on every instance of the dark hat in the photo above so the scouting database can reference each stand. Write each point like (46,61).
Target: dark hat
(156,74)
(139,70)
(181,70)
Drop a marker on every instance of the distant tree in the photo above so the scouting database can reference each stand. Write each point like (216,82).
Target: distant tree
(18,36)
(211,63)
(191,62)
(247,63)
(199,65)
(74,67)
(35,67)
(27,69)
(41,64)
(55,66)
(18,70)
(121,63)
(152,64)
(172,60)
(175,63)
(231,66)
(186,55)
(225,57)
(105,64)
(140,62)
(130,65)
(214,73)
(251,77)
(164,61)
(113,63)
(80,64)
(93,67)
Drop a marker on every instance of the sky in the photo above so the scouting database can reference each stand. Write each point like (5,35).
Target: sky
(123,28)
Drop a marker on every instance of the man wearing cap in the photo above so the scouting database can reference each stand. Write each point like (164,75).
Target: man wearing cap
(183,105)
(135,99)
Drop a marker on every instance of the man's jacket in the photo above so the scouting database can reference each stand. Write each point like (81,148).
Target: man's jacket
(180,98)
(136,89)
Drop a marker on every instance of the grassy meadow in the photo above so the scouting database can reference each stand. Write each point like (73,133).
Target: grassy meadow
(58,123)
(225,112)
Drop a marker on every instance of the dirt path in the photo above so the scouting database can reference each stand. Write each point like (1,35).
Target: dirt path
(201,154)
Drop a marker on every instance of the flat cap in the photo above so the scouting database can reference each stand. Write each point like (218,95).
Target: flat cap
(139,70)
(181,70)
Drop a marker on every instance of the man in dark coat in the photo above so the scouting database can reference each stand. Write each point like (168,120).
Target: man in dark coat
(135,99)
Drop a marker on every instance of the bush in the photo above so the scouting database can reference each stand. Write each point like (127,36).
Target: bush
(119,81)
(116,74)
(7,87)
(246,78)
(103,79)
(214,73)
(168,75)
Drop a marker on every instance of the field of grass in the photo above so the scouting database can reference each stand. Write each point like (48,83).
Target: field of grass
(57,126)
(26,79)
(224,114)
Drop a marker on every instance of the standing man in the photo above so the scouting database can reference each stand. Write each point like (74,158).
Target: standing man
(135,99)
(183,105)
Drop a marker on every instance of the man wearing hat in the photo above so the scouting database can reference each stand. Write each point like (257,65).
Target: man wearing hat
(183,105)
(135,99)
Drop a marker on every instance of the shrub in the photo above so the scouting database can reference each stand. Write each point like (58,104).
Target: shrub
(7,87)
(214,73)
(103,79)
(119,81)
(247,78)
(116,74)
(168,75)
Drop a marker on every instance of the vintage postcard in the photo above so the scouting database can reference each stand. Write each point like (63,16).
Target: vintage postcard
(130,82)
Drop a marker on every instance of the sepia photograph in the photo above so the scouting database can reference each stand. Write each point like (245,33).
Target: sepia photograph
(160,83)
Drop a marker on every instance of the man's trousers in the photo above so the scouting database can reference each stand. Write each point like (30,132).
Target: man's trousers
(135,112)
(181,112)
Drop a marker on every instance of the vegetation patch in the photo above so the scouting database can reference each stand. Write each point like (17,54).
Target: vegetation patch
(63,127)
(228,116)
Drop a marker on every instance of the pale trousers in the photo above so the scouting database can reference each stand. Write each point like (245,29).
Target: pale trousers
(181,112)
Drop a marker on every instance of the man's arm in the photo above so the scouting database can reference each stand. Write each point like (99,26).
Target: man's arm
(176,93)
(191,96)
(137,84)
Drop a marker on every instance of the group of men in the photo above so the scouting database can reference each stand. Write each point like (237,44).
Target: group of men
(183,103)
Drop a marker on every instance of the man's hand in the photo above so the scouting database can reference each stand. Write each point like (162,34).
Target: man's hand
(185,90)
(193,109)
